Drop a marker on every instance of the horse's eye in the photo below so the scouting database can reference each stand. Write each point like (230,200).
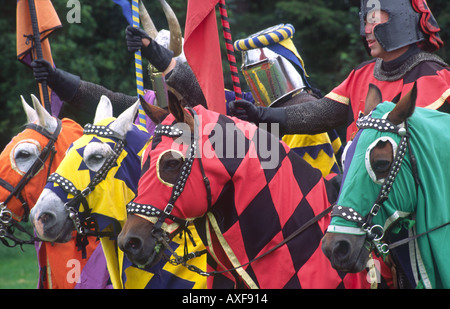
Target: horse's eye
(23,154)
(172,163)
(96,158)
(381,166)
(94,161)
(168,166)
(95,155)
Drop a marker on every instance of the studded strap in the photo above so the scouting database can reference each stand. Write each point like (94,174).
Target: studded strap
(150,211)
(382,125)
(347,213)
(64,183)
(168,130)
(103,131)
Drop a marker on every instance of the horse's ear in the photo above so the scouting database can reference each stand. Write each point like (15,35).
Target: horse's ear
(104,109)
(155,113)
(44,118)
(124,122)
(29,111)
(405,107)
(178,111)
(373,98)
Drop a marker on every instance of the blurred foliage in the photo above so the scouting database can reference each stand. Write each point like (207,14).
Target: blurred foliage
(327,37)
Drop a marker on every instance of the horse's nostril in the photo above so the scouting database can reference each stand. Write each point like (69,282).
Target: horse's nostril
(133,244)
(47,218)
(341,249)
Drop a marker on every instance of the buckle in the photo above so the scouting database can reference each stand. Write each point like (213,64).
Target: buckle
(168,209)
(375,208)
(5,216)
(86,192)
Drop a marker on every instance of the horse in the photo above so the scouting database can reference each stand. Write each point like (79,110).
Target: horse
(395,193)
(100,170)
(247,203)
(26,162)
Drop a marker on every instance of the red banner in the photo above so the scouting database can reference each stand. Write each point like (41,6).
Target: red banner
(202,50)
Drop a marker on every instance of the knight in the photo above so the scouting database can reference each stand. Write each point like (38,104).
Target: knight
(400,35)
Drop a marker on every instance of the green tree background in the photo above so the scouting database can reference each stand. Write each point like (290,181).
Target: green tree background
(327,37)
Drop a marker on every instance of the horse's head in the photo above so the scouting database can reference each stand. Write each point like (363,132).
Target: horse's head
(30,157)
(375,191)
(186,147)
(162,163)
(99,170)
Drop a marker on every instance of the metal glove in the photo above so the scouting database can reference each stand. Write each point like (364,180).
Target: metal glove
(158,55)
(42,70)
(63,83)
(134,37)
(248,111)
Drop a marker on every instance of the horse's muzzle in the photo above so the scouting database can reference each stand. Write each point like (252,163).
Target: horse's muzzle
(48,228)
(346,252)
(138,251)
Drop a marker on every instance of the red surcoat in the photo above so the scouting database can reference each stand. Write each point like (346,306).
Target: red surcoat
(433,85)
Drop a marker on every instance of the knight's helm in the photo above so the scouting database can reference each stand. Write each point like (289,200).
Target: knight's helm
(403,27)
(267,58)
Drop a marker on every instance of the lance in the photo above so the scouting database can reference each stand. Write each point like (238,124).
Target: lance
(138,64)
(38,49)
(230,50)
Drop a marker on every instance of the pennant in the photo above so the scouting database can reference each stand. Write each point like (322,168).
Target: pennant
(48,21)
(202,50)
(126,9)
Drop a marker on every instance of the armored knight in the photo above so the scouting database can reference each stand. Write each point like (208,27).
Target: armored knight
(399,35)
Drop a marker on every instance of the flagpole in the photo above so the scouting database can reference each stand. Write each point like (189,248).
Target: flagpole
(38,49)
(138,64)
(230,50)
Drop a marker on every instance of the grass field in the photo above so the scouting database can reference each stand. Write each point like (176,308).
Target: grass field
(18,267)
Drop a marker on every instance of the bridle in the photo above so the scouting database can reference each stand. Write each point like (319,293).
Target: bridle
(374,232)
(83,222)
(158,232)
(7,223)
(162,237)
